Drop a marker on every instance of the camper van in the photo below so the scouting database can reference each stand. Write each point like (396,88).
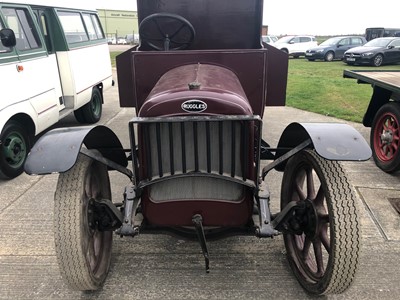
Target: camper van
(376,32)
(54,60)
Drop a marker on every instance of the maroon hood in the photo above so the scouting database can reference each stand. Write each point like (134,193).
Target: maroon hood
(196,89)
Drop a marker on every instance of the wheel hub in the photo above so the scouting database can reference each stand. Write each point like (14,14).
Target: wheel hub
(14,149)
(311,220)
(304,220)
(387,137)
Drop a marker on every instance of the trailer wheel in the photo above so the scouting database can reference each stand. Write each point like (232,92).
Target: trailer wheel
(385,137)
(91,111)
(14,148)
(324,252)
(83,252)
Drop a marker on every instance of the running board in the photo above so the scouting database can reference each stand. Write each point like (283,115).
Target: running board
(64,112)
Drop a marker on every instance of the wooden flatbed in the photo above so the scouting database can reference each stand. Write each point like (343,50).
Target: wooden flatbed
(387,79)
(382,115)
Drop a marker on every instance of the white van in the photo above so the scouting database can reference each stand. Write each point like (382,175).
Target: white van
(54,60)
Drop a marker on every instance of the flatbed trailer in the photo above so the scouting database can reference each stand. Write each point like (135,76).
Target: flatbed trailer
(382,115)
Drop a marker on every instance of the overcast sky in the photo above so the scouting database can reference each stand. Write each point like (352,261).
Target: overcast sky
(316,17)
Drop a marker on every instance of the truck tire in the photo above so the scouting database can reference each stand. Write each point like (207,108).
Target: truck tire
(91,112)
(83,252)
(385,137)
(14,148)
(324,251)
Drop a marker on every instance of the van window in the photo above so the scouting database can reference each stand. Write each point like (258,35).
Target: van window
(93,27)
(19,20)
(73,27)
(89,27)
(44,27)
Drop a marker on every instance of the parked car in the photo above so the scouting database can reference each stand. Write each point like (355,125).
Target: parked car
(376,52)
(296,45)
(334,48)
(269,39)
(121,41)
(132,38)
(111,41)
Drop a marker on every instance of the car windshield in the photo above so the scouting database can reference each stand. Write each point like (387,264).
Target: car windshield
(285,39)
(378,43)
(331,42)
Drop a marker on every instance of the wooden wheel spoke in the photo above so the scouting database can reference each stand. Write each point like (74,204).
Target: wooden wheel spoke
(323,236)
(300,192)
(306,248)
(91,252)
(310,184)
(389,151)
(323,218)
(93,188)
(319,198)
(318,256)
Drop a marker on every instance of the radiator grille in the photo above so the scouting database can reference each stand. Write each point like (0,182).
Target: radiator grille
(220,148)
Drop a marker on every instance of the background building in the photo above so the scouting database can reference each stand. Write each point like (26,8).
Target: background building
(119,23)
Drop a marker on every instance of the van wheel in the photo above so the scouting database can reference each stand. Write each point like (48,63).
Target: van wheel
(323,239)
(329,56)
(83,251)
(79,116)
(14,149)
(377,61)
(91,111)
(385,137)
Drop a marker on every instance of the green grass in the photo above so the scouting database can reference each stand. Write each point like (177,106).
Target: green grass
(112,56)
(320,87)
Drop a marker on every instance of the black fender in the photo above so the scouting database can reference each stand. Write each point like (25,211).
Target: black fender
(57,150)
(333,141)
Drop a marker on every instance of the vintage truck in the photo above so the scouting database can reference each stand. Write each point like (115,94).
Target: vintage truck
(199,81)
(382,115)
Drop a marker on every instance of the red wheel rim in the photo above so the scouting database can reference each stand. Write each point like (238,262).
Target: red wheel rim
(386,137)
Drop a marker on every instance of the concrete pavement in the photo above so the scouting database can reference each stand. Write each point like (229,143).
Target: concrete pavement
(163,267)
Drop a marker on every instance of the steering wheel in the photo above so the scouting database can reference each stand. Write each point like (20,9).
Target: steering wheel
(172,32)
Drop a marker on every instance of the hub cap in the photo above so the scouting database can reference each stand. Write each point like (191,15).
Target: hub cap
(14,149)
(387,138)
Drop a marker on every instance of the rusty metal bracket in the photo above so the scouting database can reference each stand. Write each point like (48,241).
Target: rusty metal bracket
(284,157)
